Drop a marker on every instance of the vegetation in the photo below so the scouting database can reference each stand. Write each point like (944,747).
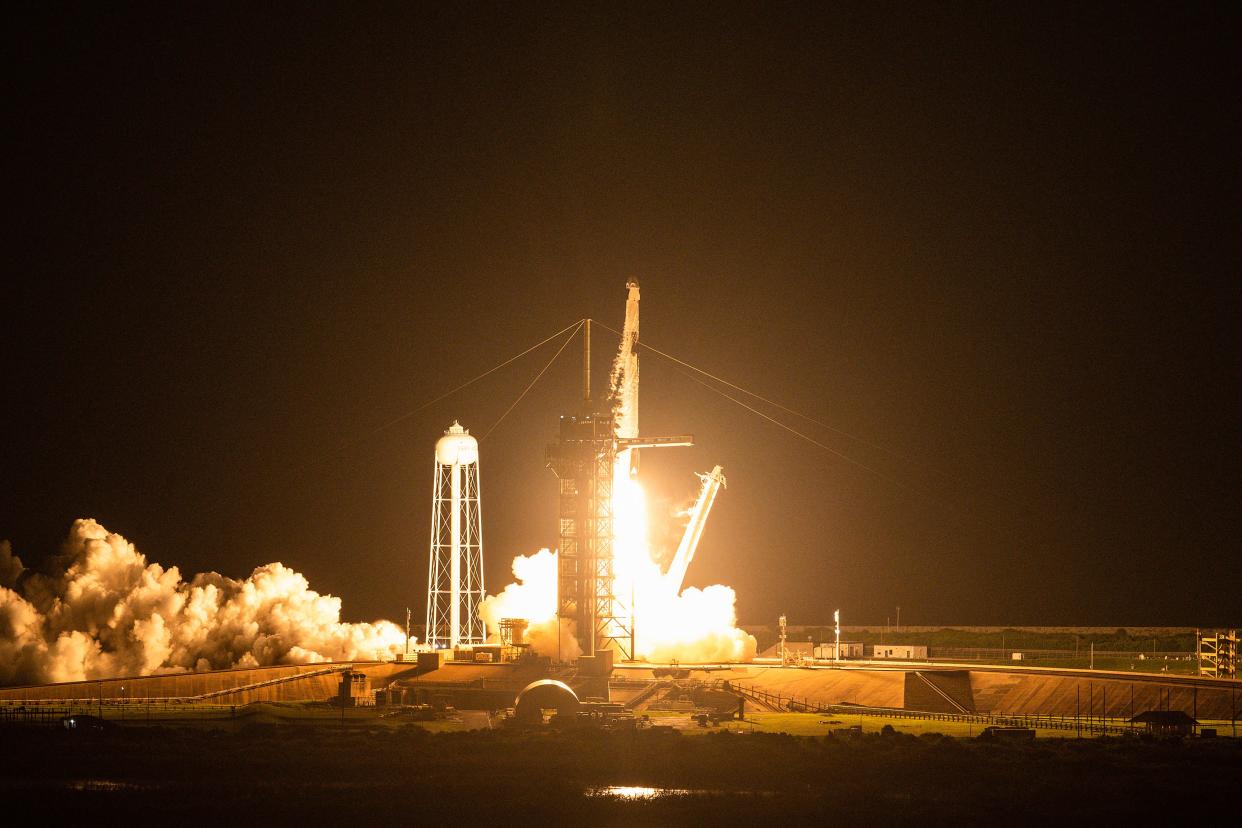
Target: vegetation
(268,773)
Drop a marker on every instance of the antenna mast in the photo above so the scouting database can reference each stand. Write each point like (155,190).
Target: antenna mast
(586,364)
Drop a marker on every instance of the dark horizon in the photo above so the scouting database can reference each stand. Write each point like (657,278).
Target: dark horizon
(992,248)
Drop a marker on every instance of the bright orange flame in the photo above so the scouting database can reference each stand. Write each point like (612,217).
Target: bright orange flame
(695,625)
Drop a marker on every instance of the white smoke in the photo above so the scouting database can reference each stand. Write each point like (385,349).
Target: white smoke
(533,597)
(106,612)
(695,626)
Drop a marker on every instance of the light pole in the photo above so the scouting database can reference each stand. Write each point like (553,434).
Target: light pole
(836,619)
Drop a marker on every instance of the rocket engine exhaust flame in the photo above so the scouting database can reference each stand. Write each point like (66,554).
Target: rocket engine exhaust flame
(103,611)
(688,625)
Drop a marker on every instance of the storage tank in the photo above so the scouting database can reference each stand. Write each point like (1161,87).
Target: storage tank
(455,569)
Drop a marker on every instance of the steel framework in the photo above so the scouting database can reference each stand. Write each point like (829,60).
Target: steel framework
(592,450)
(583,460)
(1218,653)
(455,568)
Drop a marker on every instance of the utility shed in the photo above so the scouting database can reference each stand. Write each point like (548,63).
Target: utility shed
(904,652)
(1166,722)
(849,649)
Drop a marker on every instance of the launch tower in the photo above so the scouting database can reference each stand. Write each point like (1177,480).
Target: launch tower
(455,570)
(585,460)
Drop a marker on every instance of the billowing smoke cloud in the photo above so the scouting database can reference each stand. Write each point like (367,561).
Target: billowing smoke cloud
(101,610)
(695,625)
(533,597)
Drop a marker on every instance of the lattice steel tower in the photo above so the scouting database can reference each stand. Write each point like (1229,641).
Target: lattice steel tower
(455,570)
(591,451)
(583,459)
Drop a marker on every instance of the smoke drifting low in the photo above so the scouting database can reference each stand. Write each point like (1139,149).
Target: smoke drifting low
(101,610)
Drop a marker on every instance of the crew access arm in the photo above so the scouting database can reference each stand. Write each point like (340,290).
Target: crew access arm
(712,481)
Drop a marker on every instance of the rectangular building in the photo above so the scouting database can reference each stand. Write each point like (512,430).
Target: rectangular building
(902,652)
(849,649)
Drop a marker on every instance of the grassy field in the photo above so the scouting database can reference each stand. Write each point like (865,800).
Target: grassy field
(318,714)
(815,724)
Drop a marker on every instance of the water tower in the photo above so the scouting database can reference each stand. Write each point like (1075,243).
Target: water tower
(455,571)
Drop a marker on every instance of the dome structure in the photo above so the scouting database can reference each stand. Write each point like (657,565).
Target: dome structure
(542,695)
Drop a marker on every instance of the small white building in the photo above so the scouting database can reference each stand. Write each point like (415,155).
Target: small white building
(849,649)
(902,652)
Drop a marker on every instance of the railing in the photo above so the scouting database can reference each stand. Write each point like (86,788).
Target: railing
(52,711)
(128,701)
(793,704)
(242,688)
(44,716)
(649,689)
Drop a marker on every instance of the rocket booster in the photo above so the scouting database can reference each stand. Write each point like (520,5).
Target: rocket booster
(625,374)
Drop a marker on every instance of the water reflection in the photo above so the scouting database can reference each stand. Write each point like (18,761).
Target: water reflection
(639,792)
(107,785)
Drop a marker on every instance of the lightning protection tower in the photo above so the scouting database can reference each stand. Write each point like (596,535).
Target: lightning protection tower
(455,571)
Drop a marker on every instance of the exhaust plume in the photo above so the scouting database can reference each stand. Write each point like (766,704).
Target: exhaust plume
(688,625)
(532,596)
(101,610)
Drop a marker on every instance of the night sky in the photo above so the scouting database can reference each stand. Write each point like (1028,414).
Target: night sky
(991,247)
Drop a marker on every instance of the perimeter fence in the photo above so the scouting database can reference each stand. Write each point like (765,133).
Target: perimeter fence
(54,711)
